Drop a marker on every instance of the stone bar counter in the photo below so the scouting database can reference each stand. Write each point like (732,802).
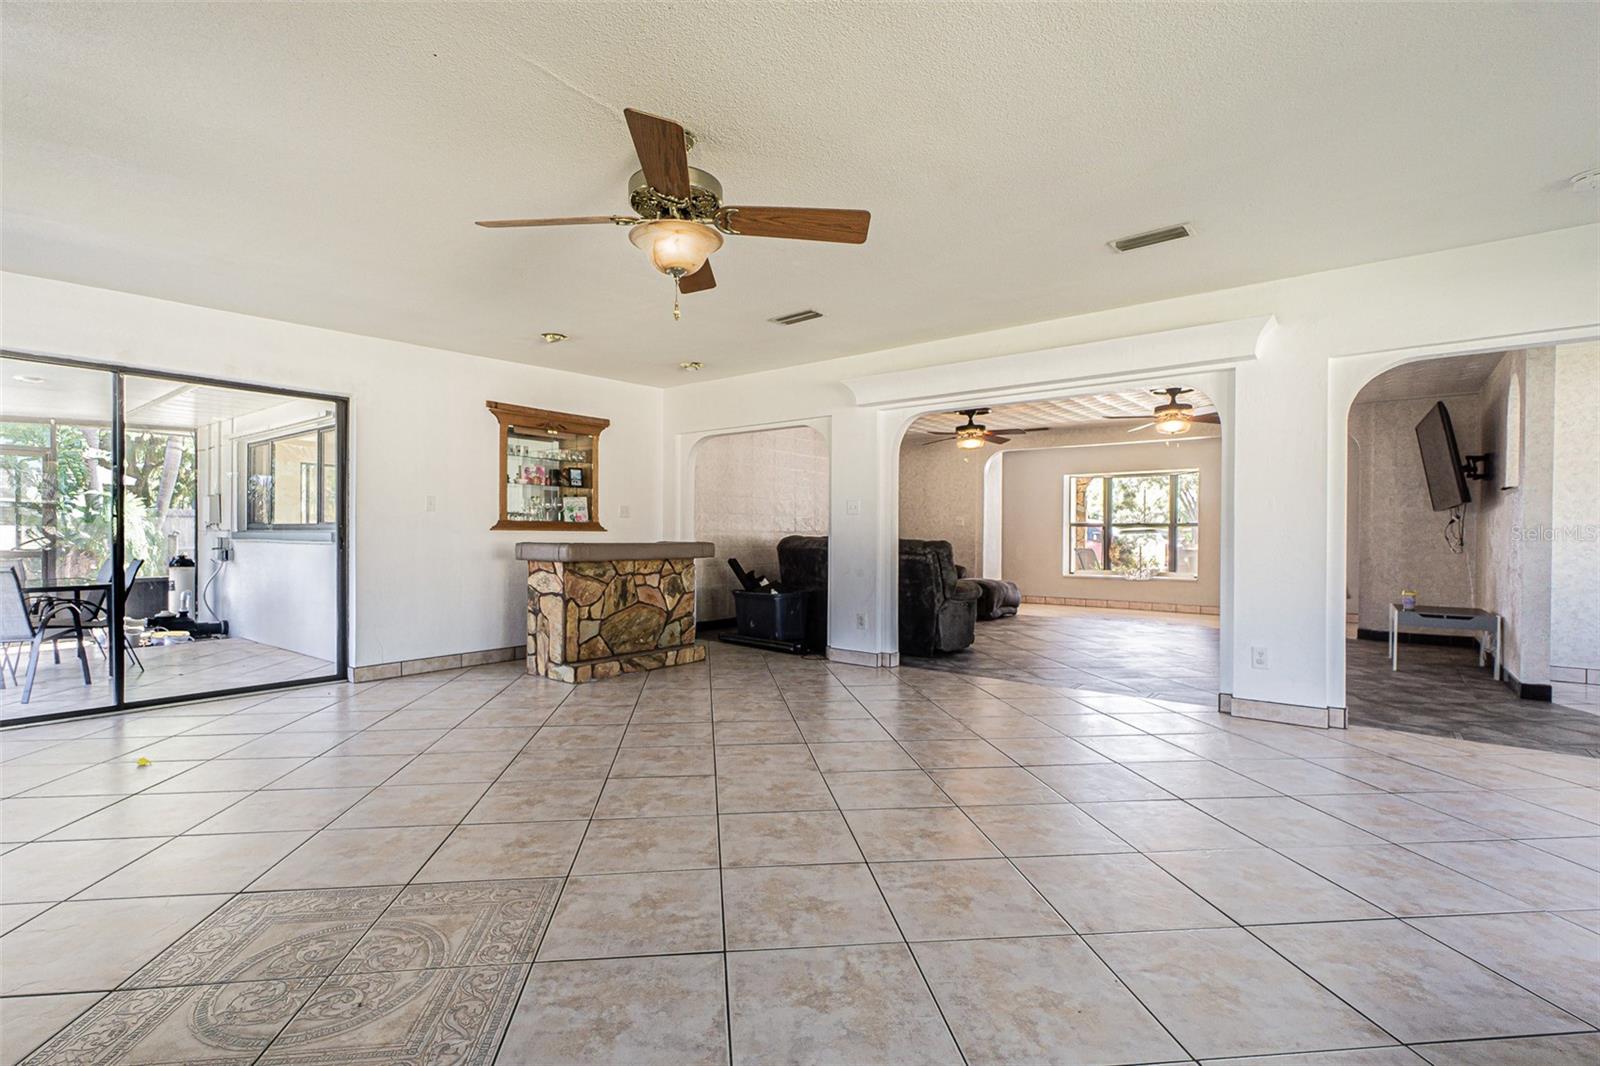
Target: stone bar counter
(600,610)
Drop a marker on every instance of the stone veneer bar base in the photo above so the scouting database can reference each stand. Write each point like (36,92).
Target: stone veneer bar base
(590,620)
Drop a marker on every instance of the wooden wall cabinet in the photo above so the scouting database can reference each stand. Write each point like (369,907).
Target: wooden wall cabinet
(549,469)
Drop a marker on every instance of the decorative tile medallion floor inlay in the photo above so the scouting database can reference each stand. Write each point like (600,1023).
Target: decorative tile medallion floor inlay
(758,858)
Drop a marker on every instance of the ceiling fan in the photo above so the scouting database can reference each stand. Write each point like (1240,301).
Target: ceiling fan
(679,217)
(1172,418)
(976,435)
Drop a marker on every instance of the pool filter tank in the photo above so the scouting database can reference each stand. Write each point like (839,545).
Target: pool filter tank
(180,584)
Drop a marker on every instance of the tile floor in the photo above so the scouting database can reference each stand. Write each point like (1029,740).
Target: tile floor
(767,859)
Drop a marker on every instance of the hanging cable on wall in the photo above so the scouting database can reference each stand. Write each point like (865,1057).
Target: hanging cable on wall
(1455,532)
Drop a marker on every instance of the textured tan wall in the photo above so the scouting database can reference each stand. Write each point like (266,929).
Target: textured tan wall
(750,491)
(1575,512)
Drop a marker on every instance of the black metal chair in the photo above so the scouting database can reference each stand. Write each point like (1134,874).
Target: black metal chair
(19,625)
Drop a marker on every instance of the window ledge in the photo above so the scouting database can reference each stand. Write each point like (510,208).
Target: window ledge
(297,536)
(1101,575)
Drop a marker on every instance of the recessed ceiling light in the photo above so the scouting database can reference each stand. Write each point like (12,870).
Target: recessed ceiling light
(691,367)
(553,338)
(1588,181)
(30,379)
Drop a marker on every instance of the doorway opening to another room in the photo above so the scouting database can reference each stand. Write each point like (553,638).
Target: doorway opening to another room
(1091,538)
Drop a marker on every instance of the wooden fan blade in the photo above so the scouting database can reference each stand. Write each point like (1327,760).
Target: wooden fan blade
(838,225)
(1213,418)
(663,156)
(699,281)
(1019,432)
(1125,418)
(995,438)
(944,439)
(580,220)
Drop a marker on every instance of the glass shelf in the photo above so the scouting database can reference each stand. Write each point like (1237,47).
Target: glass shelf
(549,469)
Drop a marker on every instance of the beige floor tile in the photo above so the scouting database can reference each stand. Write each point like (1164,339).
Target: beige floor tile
(867,789)
(949,754)
(1040,999)
(951,900)
(95,944)
(662,1011)
(337,858)
(1221,992)
(398,805)
(1118,893)
(666,734)
(265,812)
(194,864)
(491,738)
(505,850)
(122,778)
(694,761)
(454,1015)
(1393,775)
(1098,783)
(835,1005)
(30,1021)
(898,834)
(183,1024)
(862,755)
(1398,819)
(454,769)
(1049,751)
(1578,802)
(1505,814)
(804,906)
(298,744)
(1403,882)
(47,871)
(347,771)
(636,845)
(1415,987)
(1372,1056)
(758,758)
(786,838)
(560,762)
(1137,749)
(1200,780)
(228,775)
(1089,724)
(23,819)
(1044,829)
(14,914)
(768,731)
(529,800)
(1256,886)
(474,923)
(759,791)
(576,736)
(1285,822)
(1585,851)
(1581,1049)
(1165,825)
(614,915)
(657,797)
(842,731)
(1544,880)
(1298,777)
(1540,952)
(268,936)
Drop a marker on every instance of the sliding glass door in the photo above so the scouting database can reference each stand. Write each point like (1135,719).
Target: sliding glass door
(198,525)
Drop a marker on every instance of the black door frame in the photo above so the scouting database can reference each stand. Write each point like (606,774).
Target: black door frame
(119,593)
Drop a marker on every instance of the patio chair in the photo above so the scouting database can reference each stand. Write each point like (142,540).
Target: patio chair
(18,625)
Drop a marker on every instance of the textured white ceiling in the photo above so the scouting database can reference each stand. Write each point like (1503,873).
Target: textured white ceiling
(1450,376)
(323,163)
(1071,411)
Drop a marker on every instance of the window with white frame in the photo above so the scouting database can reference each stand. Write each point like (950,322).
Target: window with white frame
(1133,523)
(292,480)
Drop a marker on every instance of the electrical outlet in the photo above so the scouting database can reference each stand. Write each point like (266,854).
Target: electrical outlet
(861,621)
(852,507)
(1258,657)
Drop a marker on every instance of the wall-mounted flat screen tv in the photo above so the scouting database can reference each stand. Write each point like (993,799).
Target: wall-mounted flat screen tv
(1441,460)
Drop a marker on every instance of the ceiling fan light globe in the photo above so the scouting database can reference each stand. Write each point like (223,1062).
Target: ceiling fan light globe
(1172,424)
(969,437)
(676,248)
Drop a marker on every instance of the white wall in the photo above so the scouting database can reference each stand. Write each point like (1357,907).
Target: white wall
(1284,449)
(1575,516)
(425,580)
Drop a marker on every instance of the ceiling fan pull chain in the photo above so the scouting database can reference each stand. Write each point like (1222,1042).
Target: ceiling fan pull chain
(677,290)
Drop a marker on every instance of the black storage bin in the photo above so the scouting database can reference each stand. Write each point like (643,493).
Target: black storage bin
(779,616)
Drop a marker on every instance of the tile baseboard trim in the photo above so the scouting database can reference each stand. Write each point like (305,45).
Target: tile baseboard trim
(887,660)
(1283,713)
(435,663)
(1575,675)
(1124,605)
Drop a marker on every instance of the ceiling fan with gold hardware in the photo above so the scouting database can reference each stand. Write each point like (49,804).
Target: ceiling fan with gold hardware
(1172,418)
(679,218)
(975,434)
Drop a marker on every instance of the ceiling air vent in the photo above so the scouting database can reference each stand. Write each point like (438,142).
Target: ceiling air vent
(1155,236)
(796,318)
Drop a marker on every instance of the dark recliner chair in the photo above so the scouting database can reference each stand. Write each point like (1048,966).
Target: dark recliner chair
(938,611)
(803,567)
